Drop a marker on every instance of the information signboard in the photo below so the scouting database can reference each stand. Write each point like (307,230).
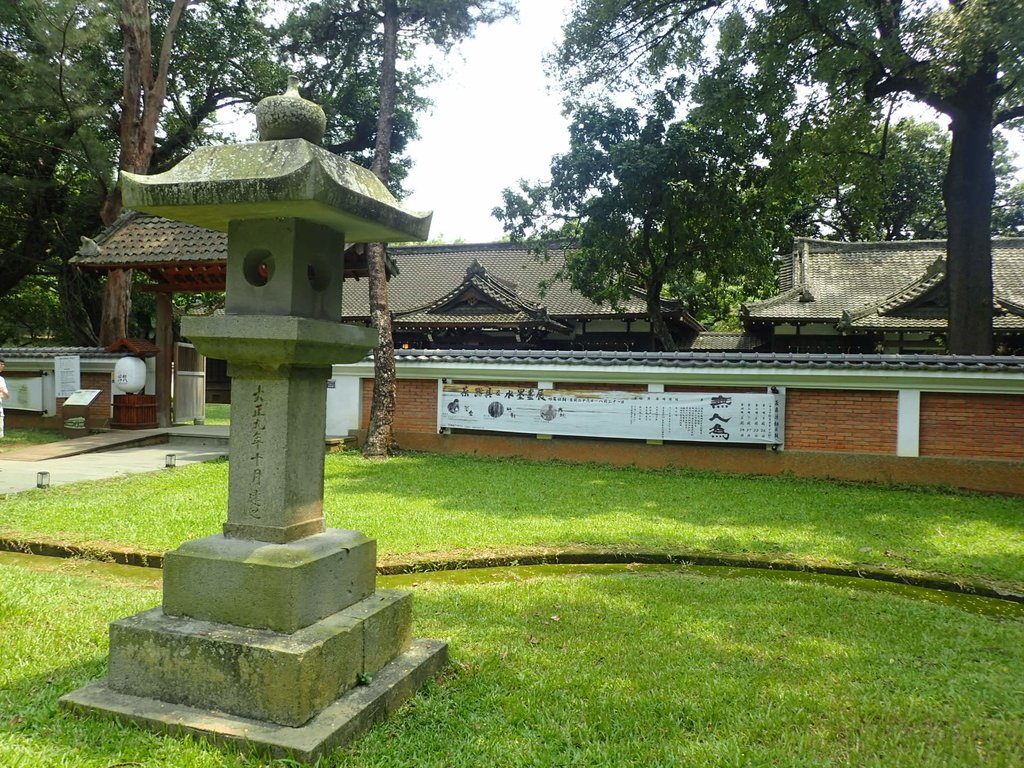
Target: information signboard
(26,394)
(687,416)
(67,371)
(82,397)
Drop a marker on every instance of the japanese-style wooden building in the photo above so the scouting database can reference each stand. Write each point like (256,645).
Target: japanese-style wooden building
(486,296)
(879,297)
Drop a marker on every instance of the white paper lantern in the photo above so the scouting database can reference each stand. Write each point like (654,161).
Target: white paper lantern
(130,375)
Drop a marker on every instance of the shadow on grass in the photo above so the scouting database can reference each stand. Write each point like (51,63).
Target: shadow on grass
(637,669)
(479,502)
(675,670)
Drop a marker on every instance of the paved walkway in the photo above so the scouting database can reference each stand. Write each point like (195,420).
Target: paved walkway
(110,454)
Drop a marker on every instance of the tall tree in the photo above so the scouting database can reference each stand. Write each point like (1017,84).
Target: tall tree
(348,32)
(143,93)
(964,59)
(150,36)
(441,24)
(380,436)
(652,204)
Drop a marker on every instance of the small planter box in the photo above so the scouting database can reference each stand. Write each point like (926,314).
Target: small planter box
(134,412)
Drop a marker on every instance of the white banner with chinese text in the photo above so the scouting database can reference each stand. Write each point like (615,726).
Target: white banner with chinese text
(705,417)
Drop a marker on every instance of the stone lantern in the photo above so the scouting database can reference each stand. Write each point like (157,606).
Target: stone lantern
(272,633)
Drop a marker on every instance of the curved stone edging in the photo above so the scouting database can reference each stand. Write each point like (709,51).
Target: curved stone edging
(423,563)
(118,555)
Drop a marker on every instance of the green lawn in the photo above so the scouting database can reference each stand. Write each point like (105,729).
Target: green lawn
(218,413)
(420,506)
(22,437)
(635,669)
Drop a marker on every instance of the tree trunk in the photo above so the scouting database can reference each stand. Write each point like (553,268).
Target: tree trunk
(658,325)
(117,306)
(78,290)
(968,191)
(142,100)
(380,438)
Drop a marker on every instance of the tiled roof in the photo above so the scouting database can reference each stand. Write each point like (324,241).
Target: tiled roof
(877,285)
(710,341)
(152,240)
(480,299)
(183,256)
(427,273)
(99,353)
(794,360)
(142,347)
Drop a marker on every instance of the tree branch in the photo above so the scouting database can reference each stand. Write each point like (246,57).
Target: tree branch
(1011,113)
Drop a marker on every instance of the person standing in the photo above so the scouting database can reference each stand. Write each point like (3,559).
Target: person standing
(4,394)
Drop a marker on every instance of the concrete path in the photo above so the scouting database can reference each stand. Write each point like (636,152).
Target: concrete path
(110,454)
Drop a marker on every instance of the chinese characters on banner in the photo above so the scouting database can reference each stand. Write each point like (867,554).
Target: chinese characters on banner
(710,417)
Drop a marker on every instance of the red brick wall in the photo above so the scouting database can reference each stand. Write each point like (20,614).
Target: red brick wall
(844,421)
(716,390)
(844,434)
(841,420)
(99,409)
(601,387)
(983,426)
(415,405)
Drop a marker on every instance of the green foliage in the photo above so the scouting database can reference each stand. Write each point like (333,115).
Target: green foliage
(1008,217)
(965,60)
(55,151)
(866,180)
(222,58)
(650,205)
(31,313)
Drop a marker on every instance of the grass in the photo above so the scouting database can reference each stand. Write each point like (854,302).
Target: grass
(645,668)
(634,669)
(218,413)
(22,437)
(439,506)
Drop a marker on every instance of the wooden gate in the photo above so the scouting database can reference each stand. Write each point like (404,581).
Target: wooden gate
(189,384)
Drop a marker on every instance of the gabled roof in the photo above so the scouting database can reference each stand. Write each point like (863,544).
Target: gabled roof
(437,285)
(481,298)
(885,286)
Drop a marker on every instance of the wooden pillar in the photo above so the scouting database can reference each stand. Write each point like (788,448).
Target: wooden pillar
(164,358)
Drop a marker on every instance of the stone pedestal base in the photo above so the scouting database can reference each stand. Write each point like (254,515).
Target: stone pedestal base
(256,673)
(282,587)
(336,725)
(284,647)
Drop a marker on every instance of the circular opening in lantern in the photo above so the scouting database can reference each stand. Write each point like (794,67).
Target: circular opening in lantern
(258,267)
